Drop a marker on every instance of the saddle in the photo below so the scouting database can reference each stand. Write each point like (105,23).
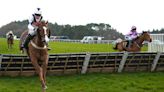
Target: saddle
(126,43)
(22,39)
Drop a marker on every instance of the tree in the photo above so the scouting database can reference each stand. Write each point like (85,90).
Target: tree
(73,32)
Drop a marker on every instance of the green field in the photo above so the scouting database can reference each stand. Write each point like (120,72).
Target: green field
(124,82)
(62,47)
(95,82)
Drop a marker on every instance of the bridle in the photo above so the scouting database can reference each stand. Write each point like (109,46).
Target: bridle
(139,45)
(44,38)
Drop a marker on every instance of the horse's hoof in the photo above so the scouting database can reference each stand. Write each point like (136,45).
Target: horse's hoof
(21,52)
(45,87)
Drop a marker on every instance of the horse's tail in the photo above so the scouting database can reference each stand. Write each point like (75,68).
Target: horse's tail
(116,42)
(115,47)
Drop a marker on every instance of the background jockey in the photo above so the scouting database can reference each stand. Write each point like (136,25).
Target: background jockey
(131,35)
(32,26)
(10,33)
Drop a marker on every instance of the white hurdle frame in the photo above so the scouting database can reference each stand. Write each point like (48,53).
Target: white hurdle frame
(153,47)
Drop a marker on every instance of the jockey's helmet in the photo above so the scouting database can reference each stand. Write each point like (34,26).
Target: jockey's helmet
(38,12)
(10,32)
(133,28)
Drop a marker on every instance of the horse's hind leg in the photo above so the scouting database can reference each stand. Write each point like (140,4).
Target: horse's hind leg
(10,46)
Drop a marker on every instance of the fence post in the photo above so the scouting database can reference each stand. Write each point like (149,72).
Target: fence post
(122,62)
(1,56)
(155,61)
(85,63)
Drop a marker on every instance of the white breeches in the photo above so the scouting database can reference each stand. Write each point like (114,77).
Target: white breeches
(31,30)
(128,38)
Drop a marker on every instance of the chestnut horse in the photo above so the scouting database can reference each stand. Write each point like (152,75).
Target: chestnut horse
(136,44)
(10,41)
(37,51)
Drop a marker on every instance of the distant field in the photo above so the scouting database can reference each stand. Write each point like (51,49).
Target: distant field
(109,82)
(62,47)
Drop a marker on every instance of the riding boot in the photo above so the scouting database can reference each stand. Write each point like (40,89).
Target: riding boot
(130,42)
(27,40)
(127,43)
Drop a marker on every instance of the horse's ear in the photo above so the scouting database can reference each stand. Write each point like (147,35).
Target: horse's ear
(49,33)
(144,32)
(46,22)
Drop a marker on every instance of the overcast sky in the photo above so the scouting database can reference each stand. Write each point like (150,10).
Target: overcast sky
(120,14)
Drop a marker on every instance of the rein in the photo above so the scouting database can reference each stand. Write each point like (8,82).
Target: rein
(44,32)
(138,45)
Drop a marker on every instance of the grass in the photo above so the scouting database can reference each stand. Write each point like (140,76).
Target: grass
(124,82)
(104,82)
(62,47)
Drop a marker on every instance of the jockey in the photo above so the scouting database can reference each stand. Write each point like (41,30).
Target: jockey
(32,26)
(10,33)
(131,35)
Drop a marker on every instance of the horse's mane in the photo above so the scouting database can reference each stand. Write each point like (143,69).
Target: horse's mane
(140,35)
(43,23)
(144,32)
(136,38)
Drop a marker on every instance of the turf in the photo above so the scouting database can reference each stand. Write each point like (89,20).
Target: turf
(104,82)
(62,47)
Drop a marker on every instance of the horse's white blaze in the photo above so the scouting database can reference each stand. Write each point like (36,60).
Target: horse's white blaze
(45,33)
(46,38)
(45,28)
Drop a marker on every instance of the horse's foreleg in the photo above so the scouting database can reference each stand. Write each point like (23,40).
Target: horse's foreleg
(44,67)
(39,71)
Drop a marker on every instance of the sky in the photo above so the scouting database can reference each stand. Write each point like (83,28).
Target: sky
(120,14)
